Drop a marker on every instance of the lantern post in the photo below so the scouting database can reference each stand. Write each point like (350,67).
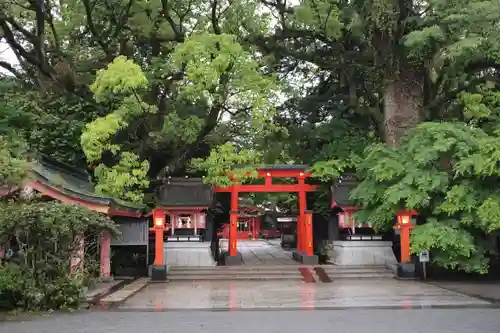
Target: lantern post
(404,224)
(159,269)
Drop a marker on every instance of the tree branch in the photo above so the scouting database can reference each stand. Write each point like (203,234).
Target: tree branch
(90,23)
(178,31)
(11,69)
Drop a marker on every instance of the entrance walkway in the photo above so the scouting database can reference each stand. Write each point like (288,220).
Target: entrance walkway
(261,252)
(345,294)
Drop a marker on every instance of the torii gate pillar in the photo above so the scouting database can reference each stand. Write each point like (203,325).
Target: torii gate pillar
(232,256)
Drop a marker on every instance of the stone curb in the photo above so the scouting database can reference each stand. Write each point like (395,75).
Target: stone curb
(93,298)
(125,292)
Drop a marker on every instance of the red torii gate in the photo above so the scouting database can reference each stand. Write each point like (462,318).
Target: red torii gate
(304,223)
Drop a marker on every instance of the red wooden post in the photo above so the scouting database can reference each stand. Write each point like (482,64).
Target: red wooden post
(257,226)
(233,222)
(105,254)
(159,227)
(404,226)
(308,234)
(301,237)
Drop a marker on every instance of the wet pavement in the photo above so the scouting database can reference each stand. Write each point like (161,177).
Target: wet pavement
(254,295)
(350,321)
(261,252)
(489,290)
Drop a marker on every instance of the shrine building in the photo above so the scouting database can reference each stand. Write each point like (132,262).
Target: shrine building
(181,228)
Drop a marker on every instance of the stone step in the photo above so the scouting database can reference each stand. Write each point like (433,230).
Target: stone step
(231,277)
(232,272)
(262,277)
(356,270)
(380,275)
(236,268)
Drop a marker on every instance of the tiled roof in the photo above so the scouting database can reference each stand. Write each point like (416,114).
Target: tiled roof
(74,182)
(341,189)
(190,192)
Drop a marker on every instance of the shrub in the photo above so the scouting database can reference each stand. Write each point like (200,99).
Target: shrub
(40,239)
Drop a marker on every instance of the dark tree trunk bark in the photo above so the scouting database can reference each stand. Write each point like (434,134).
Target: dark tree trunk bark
(403,102)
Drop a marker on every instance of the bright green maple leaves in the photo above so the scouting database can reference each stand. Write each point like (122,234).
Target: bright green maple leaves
(220,73)
(121,83)
(217,75)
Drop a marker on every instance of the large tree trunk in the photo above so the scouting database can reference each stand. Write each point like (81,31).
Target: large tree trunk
(403,102)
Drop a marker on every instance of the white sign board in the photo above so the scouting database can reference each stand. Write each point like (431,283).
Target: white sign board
(424,256)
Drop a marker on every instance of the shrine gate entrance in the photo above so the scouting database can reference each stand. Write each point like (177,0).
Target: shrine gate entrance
(304,253)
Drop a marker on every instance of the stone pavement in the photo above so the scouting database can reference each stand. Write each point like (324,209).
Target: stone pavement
(193,254)
(261,252)
(101,289)
(351,321)
(486,290)
(252,295)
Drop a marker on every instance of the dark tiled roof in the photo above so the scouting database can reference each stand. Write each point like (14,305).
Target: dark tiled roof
(341,189)
(190,192)
(284,167)
(74,182)
(270,167)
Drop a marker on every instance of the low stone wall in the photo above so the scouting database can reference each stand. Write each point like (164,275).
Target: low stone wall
(368,252)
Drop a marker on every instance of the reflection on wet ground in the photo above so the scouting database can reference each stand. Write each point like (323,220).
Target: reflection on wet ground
(262,252)
(253,295)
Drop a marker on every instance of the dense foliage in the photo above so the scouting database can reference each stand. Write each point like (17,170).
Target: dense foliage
(138,89)
(40,239)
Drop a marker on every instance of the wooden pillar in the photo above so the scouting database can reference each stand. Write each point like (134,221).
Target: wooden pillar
(405,245)
(258,222)
(172,223)
(404,225)
(233,221)
(158,228)
(105,254)
(78,255)
(301,219)
(308,234)
(350,220)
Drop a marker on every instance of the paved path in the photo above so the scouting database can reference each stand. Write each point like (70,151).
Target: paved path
(351,321)
(252,295)
(195,254)
(486,290)
(262,252)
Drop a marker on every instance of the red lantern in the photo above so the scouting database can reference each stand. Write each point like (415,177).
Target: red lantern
(404,218)
(158,228)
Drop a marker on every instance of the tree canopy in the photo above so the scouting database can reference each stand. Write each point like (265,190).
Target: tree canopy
(403,92)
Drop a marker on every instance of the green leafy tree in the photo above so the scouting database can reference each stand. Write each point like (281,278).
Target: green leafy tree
(440,170)
(169,80)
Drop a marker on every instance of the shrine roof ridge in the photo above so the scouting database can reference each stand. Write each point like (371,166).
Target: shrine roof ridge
(291,167)
(72,181)
(279,167)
